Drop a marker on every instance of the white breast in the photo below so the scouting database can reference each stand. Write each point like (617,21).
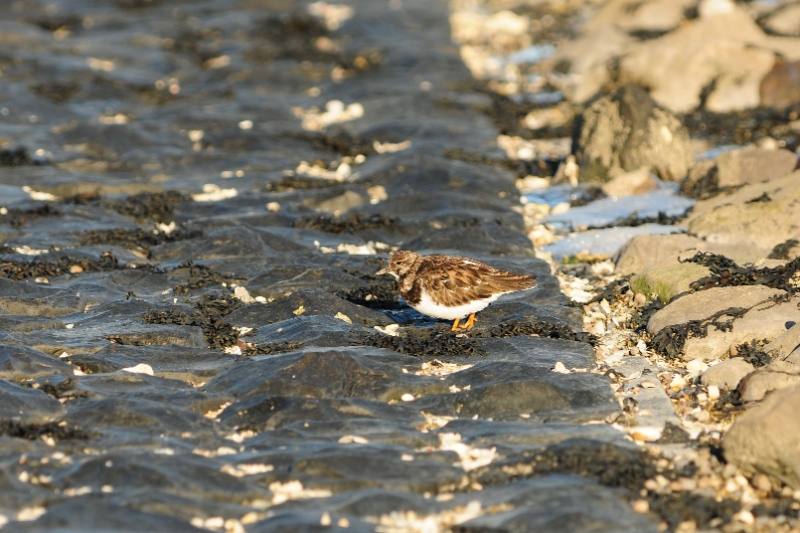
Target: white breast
(426,306)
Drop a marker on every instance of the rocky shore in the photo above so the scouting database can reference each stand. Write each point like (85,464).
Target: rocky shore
(197,197)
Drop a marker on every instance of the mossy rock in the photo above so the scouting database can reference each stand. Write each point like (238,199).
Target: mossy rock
(667,282)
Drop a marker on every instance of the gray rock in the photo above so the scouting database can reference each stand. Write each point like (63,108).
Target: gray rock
(629,131)
(727,374)
(778,375)
(27,405)
(21,362)
(306,303)
(766,438)
(702,304)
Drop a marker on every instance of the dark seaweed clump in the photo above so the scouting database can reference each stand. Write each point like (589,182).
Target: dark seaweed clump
(16,217)
(436,341)
(137,238)
(753,352)
(341,142)
(199,276)
(210,317)
(16,157)
(669,342)
(781,251)
(726,273)
(210,314)
(348,224)
(39,267)
(57,430)
(158,206)
(439,341)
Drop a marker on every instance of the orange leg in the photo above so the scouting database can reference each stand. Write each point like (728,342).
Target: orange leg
(470,322)
(455,325)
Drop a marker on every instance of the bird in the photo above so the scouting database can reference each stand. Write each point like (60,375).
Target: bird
(451,287)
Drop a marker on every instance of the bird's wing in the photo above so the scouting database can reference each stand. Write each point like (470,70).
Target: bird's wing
(454,281)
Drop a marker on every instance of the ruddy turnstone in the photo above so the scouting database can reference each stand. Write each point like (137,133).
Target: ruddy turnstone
(450,287)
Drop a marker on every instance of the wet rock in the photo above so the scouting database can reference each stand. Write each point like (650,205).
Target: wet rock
(27,405)
(270,412)
(189,336)
(87,514)
(778,375)
(22,363)
(482,238)
(307,331)
(137,415)
(779,88)
(702,304)
(643,252)
(629,131)
(545,502)
(281,281)
(754,165)
(504,391)
(718,50)
(19,298)
(761,322)
(765,439)
(727,374)
(221,242)
(356,372)
(760,215)
(306,303)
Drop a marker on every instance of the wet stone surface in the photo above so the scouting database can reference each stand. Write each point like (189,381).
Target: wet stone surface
(197,197)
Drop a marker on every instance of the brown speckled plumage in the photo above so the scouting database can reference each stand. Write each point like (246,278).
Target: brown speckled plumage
(452,281)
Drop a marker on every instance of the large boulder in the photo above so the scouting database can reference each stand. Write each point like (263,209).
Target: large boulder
(628,131)
(725,52)
(766,438)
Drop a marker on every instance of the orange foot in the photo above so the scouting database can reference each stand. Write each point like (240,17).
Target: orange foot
(470,322)
(455,325)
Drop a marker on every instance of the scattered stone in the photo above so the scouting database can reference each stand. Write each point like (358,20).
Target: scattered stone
(778,375)
(726,375)
(779,88)
(636,182)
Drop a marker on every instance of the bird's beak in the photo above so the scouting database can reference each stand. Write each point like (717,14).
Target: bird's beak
(382,272)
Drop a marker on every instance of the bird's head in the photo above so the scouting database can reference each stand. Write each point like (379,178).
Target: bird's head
(402,263)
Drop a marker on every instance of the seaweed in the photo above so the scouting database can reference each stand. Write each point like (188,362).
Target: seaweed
(669,342)
(727,273)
